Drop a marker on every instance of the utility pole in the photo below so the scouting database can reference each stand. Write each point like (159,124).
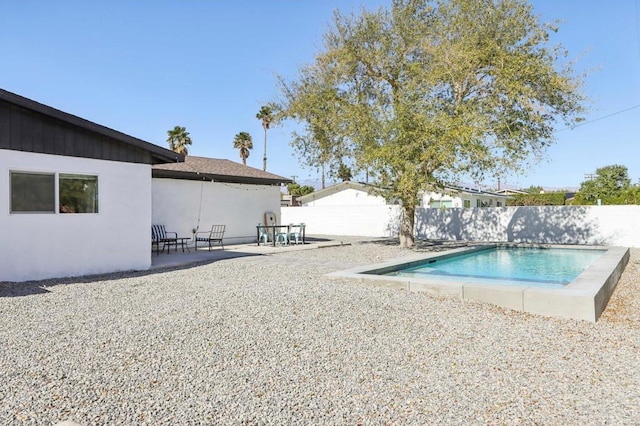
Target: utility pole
(294,178)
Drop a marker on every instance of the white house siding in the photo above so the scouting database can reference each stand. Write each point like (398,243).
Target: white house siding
(182,205)
(49,245)
(458,199)
(607,225)
(349,197)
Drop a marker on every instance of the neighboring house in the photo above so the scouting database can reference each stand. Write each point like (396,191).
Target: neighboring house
(77,194)
(288,200)
(460,197)
(201,192)
(353,193)
(343,194)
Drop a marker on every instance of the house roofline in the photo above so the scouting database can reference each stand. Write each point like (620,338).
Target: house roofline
(159,154)
(199,176)
(333,189)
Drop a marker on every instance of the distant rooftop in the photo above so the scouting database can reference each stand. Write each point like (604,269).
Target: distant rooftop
(217,170)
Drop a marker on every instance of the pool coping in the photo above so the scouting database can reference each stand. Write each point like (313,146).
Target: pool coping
(585,298)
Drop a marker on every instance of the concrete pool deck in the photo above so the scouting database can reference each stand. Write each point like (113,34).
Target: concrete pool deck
(585,298)
(178,258)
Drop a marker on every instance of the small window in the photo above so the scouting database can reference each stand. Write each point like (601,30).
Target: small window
(467,203)
(78,193)
(441,204)
(32,192)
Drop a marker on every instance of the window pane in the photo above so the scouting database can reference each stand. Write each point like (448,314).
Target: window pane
(32,192)
(78,193)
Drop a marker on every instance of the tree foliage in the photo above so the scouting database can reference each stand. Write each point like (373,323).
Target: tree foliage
(296,189)
(425,92)
(536,199)
(534,189)
(611,185)
(178,139)
(344,173)
(244,143)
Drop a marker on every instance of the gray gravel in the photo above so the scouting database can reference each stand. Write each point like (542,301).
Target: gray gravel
(270,340)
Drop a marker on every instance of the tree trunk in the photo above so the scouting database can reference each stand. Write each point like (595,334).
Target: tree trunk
(322,175)
(264,158)
(407,218)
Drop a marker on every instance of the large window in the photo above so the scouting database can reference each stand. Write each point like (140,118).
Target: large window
(78,193)
(36,193)
(32,192)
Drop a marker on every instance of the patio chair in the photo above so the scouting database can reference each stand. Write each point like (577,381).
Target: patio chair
(296,234)
(160,235)
(215,235)
(282,238)
(263,234)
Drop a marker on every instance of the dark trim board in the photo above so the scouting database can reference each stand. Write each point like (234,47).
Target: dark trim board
(26,125)
(183,175)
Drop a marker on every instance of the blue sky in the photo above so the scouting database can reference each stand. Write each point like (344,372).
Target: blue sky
(144,67)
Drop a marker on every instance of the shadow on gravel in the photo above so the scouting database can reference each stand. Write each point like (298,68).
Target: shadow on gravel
(32,288)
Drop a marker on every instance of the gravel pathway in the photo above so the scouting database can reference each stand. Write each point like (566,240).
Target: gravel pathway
(270,340)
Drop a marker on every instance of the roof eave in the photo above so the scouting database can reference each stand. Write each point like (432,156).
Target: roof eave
(158,154)
(184,175)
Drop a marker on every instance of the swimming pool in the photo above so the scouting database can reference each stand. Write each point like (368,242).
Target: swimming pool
(584,297)
(535,266)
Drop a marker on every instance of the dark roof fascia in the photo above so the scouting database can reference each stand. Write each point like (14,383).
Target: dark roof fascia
(179,174)
(159,154)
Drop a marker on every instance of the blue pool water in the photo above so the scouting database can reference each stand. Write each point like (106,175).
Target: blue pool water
(515,265)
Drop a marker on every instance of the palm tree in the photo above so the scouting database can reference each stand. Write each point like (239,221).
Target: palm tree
(178,139)
(244,143)
(266,116)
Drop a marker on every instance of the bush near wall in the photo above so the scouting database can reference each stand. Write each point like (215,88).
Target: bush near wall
(629,196)
(547,199)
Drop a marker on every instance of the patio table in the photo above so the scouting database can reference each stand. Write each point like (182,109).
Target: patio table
(272,232)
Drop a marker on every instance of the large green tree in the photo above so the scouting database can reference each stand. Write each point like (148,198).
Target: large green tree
(178,139)
(426,92)
(317,145)
(244,143)
(610,185)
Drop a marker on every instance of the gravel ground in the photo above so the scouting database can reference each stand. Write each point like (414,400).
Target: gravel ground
(270,340)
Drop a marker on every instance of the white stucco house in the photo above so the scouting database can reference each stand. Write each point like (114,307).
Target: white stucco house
(343,194)
(201,192)
(354,193)
(77,195)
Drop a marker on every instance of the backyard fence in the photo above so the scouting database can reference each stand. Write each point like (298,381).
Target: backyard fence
(608,225)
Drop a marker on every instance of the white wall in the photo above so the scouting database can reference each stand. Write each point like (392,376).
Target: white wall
(183,204)
(367,221)
(610,225)
(49,245)
(348,197)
